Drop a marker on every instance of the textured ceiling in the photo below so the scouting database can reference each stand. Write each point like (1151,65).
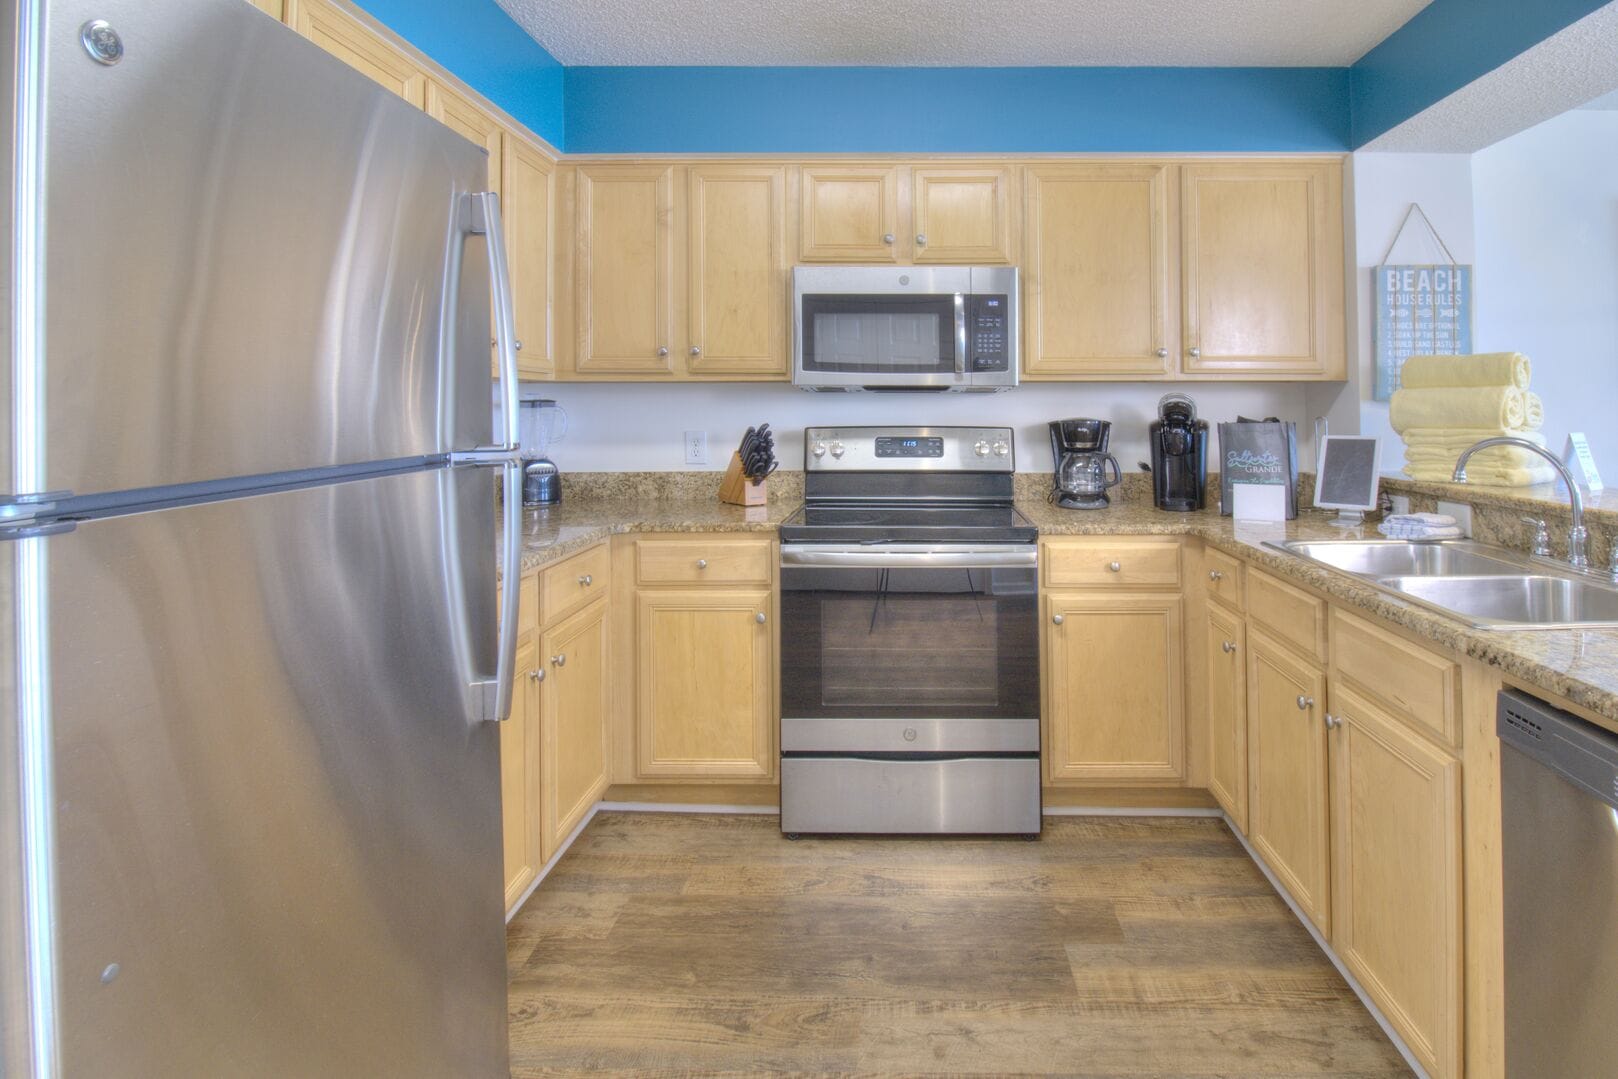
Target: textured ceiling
(964,33)
(1566,70)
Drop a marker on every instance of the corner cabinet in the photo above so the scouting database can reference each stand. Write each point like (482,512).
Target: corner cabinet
(1262,269)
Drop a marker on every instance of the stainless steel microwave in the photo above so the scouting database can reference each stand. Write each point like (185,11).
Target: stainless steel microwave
(904,328)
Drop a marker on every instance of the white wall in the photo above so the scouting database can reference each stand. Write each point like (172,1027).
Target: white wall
(1547,280)
(1383,185)
(637,427)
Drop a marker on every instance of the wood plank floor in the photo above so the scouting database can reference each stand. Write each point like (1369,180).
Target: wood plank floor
(671,944)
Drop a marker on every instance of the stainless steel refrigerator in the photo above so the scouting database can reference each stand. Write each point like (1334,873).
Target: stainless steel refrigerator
(250,664)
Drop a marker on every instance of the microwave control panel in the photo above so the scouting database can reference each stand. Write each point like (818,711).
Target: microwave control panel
(987,327)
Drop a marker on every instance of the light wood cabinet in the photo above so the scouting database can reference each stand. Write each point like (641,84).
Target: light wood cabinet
(736,274)
(1226,644)
(1286,760)
(275,9)
(624,270)
(1262,269)
(1095,271)
(1100,726)
(342,35)
(1396,887)
(528,195)
(961,215)
(848,213)
(704,684)
(573,723)
(470,122)
(519,778)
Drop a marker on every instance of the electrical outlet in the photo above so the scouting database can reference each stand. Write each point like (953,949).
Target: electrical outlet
(696,447)
(1400,503)
(1462,512)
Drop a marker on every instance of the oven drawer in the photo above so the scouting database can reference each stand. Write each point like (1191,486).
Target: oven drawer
(963,735)
(988,795)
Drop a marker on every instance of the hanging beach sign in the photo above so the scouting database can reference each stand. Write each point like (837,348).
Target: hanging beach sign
(1419,309)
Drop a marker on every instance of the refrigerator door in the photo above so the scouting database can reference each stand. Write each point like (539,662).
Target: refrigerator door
(251,253)
(277,818)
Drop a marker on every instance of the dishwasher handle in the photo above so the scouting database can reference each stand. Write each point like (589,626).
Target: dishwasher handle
(1578,751)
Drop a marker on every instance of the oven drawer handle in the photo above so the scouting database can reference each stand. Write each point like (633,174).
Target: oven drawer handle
(879,558)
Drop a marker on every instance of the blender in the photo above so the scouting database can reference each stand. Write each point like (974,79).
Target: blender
(540,422)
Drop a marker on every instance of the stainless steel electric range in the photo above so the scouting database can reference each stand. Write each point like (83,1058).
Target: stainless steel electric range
(909,637)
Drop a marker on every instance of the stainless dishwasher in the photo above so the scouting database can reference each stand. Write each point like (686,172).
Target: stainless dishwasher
(1559,808)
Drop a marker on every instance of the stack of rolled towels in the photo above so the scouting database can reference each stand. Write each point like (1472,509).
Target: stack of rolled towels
(1420,526)
(1447,403)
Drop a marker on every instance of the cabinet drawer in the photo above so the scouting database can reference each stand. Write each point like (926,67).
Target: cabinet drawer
(708,560)
(1101,563)
(1292,614)
(570,584)
(1414,684)
(1224,577)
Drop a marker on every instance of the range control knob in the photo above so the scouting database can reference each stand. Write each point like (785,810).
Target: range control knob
(837,449)
(1002,448)
(819,449)
(981,448)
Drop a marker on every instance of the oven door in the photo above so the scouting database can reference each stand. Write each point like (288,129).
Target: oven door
(921,649)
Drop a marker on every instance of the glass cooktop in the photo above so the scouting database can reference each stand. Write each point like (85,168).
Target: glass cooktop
(907,523)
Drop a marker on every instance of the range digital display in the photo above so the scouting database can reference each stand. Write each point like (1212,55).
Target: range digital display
(888,446)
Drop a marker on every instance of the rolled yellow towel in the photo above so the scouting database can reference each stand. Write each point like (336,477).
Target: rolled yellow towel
(1482,369)
(1493,457)
(1463,437)
(1457,406)
(1493,477)
(1533,411)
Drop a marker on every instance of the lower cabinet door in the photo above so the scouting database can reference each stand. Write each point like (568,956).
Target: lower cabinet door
(1227,712)
(519,778)
(705,697)
(573,723)
(1286,772)
(1396,896)
(1115,712)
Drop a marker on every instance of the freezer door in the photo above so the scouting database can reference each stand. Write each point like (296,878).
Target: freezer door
(251,253)
(277,824)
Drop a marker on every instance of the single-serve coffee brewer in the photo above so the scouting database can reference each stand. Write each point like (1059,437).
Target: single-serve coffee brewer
(1079,448)
(1179,454)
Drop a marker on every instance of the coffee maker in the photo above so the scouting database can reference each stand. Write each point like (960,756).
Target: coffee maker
(1079,448)
(1179,454)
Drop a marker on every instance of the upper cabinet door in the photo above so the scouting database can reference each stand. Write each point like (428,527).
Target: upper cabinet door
(1095,273)
(736,286)
(527,197)
(849,214)
(1262,269)
(340,34)
(962,215)
(275,9)
(470,122)
(624,269)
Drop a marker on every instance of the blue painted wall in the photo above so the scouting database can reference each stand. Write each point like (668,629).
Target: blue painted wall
(486,49)
(1446,45)
(917,110)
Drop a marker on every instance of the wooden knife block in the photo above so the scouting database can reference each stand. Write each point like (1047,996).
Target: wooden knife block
(737,489)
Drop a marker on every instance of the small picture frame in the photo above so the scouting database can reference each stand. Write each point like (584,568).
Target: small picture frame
(1346,477)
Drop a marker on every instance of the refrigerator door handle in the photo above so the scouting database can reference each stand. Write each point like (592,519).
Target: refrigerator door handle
(484,219)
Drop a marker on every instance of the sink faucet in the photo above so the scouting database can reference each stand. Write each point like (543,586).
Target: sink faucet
(1577,537)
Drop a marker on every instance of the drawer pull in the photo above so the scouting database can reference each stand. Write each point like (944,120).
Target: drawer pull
(759,618)
(536,675)
(587,580)
(1215,575)
(1057,619)
(1305,703)
(560,660)
(1115,566)
(702,563)
(1228,646)
(1332,722)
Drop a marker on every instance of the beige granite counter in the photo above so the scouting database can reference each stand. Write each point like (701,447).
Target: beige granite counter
(554,532)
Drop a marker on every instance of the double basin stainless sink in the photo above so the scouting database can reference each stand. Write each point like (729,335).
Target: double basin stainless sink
(1490,587)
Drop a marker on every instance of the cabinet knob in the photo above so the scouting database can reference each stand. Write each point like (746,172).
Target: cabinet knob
(696,350)
(517,344)
(587,580)
(921,239)
(560,659)
(1215,575)
(1228,646)
(702,563)
(1305,703)
(662,352)
(1056,618)
(887,237)
(1332,722)
(1195,353)
(537,675)
(1115,566)
(1162,353)
(759,618)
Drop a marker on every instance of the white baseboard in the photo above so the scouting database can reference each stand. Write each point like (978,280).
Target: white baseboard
(675,807)
(1353,983)
(545,869)
(1132,811)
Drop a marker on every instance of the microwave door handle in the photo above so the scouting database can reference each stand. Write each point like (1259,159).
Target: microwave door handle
(960,336)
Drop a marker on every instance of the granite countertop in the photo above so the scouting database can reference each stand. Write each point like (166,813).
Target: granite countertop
(1580,665)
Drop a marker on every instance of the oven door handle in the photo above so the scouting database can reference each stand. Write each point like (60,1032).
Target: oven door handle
(880,557)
